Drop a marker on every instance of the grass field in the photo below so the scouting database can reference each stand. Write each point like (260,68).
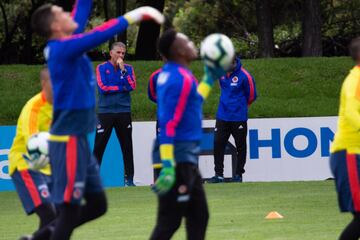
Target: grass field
(237,211)
(287,87)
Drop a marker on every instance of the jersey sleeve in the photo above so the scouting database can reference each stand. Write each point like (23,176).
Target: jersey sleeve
(130,79)
(250,88)
(81,14)
(103,85)
(352,105)
(172,107)
(30,119)
(152,85)
(79,44)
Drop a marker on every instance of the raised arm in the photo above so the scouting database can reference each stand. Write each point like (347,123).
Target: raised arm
(78,44)
(81,13)
(205,86)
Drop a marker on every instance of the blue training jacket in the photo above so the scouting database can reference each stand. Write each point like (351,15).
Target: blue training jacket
(179,112)
(179,109)
(238,91)
(114,87)
(71,72)
(152,85)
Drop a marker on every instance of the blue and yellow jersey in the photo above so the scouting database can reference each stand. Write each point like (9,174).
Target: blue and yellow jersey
(35,117)
(347,136)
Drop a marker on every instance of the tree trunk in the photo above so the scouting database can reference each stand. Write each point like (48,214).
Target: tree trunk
(265,28)
(121,10)
(311,29)
(148,34)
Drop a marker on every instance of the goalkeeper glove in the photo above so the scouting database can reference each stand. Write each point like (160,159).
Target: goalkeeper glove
(167,177)
(144,13)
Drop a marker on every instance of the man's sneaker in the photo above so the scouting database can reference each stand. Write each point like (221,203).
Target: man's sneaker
(129,183)
(216,179)
(237,178)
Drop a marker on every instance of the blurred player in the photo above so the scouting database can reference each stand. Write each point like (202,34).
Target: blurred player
(179,99)
(153,97)
(76,174)
(345,150)
(32,186)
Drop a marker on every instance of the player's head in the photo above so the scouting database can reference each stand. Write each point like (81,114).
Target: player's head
(46,84)
(355,49)
(118,50)
(176,47)
(52,21)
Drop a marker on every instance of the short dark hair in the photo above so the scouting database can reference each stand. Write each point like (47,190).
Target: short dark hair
(118,44)
(354,49)
(165,42)
(41,20)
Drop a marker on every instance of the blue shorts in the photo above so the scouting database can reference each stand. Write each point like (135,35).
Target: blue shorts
(346,170)
(184,152)
(75,170)
(32,188)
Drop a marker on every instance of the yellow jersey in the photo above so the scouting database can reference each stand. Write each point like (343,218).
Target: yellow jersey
(35,117)
(347,136)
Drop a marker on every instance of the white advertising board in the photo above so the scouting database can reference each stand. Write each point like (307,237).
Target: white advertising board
(278,149)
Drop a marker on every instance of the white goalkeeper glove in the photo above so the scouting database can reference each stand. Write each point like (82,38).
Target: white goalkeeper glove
(37,164)
(143,14)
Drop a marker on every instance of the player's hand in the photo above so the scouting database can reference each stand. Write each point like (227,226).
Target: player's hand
(36,164)
(143,14)
(211,74)
(166,179)
(120,63)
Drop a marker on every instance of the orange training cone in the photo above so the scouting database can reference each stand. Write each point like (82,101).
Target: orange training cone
(274,215)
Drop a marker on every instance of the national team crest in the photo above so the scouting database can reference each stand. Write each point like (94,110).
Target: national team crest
(107,71)
(45,193)
(235,79)
(77,193)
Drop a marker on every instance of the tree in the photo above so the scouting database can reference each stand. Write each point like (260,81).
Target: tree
(265,28)
(311,29)
(148,34)
(120,10)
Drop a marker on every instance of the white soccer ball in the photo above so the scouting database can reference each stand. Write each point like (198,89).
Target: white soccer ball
(38,150)
(217,50)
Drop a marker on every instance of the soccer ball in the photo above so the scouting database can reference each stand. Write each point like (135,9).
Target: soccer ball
(38,150)
(217,51)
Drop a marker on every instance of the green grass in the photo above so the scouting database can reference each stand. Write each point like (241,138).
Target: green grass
(287,87)
(237,211)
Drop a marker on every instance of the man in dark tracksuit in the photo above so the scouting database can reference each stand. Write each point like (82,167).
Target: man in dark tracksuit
(115,81)
(238,91)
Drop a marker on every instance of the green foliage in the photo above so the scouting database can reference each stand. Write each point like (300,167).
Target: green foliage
(286,88)
(220,16)
(197,11)
(237,211)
